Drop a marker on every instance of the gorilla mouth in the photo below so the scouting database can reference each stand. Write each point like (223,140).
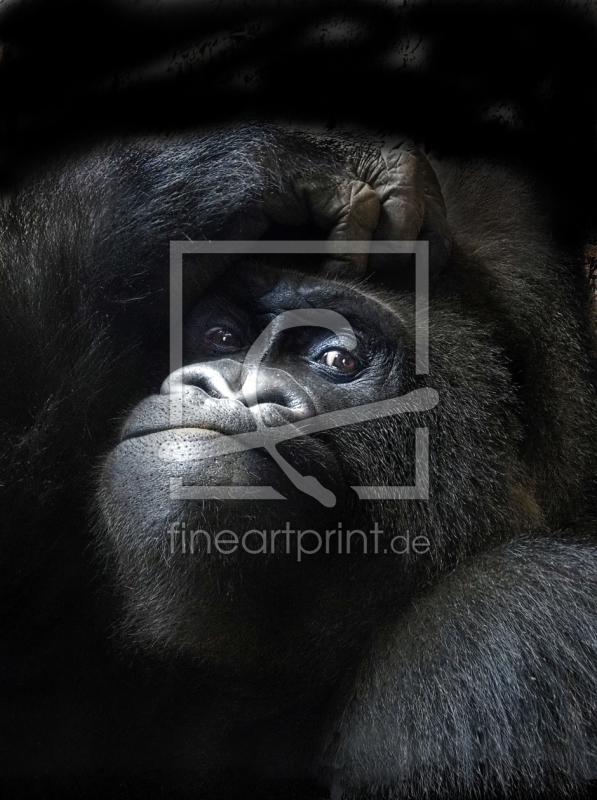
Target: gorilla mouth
(199,429)
(228,420)
(199,411)
(204,414)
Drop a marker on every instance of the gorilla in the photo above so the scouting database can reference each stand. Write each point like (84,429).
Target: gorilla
(300,563)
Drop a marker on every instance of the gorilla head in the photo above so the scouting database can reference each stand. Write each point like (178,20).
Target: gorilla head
(314,432)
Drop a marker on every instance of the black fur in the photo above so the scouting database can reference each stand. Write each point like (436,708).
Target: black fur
(470,669)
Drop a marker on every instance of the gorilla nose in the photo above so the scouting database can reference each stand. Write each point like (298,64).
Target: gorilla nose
(219,379)
(224,380)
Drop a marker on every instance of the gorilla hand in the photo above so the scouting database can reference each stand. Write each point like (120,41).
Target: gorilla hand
(363,193)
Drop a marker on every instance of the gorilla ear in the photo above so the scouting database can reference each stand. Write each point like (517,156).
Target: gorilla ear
(371,193)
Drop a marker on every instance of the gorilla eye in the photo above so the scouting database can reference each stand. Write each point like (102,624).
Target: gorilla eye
(223,339)
(340,360)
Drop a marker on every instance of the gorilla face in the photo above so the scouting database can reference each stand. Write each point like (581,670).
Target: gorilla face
(275,589)
(303,371)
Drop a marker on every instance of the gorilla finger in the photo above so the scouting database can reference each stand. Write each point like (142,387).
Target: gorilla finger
(412,205)
(350,210)
(435,224)
(435,230)
(397,178)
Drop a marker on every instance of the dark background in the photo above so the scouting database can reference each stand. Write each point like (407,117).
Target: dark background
(517,79)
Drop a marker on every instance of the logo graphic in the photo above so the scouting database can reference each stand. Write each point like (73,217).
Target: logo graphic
(268,437)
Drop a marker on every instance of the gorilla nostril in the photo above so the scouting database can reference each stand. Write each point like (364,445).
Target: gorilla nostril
(278,388)
(210,380)
(216,379)
(282,396)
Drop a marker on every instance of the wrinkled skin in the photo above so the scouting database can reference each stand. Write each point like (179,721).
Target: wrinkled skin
(467,666)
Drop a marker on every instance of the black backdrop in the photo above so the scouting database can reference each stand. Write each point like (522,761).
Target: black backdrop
(482,76)
(509,78)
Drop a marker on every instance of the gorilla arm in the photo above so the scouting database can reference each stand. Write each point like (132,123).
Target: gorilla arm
(486,682)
